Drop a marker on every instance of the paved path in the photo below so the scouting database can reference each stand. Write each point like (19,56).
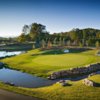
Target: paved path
(6,95)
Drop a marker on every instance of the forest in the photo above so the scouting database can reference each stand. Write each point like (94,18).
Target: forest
(36,33)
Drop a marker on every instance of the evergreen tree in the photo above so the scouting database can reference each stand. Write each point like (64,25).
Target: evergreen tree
(97,44)
(43,44)
(49,44)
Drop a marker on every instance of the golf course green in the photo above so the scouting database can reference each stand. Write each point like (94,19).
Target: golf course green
(65,60)
(42,63)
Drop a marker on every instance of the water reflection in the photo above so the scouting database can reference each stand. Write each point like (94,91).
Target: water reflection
(26,80)
(22,79)
(7,54)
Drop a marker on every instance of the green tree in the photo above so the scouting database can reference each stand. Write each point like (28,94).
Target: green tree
(75,36)
(60,41)
(63,41)
(80,44)
(36,31)
(97,44)
(26,29)
(22,38)
(43,44)
(69,43)
(55,41)
(49,45)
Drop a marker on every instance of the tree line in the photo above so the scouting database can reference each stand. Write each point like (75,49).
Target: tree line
(38,34)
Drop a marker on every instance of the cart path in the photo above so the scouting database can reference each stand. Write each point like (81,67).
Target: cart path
(7,95)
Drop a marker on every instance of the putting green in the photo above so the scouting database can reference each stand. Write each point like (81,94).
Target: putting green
(63,60)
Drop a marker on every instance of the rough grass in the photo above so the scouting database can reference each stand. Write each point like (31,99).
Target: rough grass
(43,63)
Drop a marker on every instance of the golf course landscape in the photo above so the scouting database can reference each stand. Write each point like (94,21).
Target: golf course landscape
(49,49)
(43,62)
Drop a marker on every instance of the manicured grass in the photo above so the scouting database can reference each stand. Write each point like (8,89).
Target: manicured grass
(95,78)
(43,63)
(64,60)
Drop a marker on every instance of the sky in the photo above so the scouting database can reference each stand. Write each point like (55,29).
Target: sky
(56,15)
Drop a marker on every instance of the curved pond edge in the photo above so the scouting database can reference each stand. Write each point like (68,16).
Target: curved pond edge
(46,81)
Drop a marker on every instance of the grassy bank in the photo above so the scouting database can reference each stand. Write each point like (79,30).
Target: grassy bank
(42,63)
(76,91)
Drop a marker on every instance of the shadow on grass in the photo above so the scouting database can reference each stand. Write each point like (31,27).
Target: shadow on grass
(61,51)
(96,84)
(69,84)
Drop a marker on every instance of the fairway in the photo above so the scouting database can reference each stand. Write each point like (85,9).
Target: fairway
(62,60)
(40,64)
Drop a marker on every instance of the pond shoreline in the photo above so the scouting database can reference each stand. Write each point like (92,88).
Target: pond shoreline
(49,82)
(31,82)
(8,54)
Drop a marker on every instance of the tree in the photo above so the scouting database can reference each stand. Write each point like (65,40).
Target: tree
(43,44)
(34,46)
(63,42)
(22,38)
(98,34)
(36,31)
(49,45)
(75,36)
(80,44)
(28,38)
(55,41)
(97,44)
(89,42)
(26,29)
(60,41)
(68,43)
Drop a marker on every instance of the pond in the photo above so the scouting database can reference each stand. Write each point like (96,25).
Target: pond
(7,53)
(26,80)
(22,79)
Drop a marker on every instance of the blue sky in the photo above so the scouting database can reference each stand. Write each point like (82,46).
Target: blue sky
(56,15)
